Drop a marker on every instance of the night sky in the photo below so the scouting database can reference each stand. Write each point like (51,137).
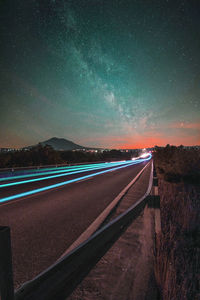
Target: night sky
(107,73)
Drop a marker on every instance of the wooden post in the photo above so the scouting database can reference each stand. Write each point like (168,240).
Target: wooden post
(6,275)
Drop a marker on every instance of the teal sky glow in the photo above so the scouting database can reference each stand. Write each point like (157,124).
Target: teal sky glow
(118,74)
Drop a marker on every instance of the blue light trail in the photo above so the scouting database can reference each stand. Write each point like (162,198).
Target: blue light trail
(45,188)
(59,175)
(58,170)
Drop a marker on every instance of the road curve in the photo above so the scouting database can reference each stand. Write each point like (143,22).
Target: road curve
(45,224)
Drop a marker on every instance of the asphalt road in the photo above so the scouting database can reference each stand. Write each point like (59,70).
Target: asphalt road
(45,224)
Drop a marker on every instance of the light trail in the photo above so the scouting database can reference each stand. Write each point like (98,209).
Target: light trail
(31,192)
(44,173)
(58,170)
(58,175)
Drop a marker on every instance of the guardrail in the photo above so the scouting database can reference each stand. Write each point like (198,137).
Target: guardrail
(60,279)
(12,169)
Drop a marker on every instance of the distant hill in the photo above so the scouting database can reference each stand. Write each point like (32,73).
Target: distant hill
(63,144)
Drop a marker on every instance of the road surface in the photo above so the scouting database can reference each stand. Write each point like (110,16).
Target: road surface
(44,224)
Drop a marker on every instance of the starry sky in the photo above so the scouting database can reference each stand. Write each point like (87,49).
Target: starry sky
(106,73)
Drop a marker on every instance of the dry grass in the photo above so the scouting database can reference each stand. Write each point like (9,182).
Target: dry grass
(178,245)
(176,164)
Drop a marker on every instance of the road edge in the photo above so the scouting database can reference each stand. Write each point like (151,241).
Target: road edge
(101,218)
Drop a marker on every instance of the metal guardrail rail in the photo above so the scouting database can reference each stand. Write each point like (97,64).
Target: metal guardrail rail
(12,169)
(60,279)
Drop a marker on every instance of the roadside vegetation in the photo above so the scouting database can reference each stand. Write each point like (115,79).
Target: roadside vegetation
(46,155)
(178,245)
(177,164)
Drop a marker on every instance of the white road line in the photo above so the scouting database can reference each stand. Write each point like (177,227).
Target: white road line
(99,220)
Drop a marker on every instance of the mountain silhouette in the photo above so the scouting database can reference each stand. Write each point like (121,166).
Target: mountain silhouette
(63,144)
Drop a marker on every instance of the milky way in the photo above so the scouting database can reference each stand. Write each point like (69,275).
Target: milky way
(117,74)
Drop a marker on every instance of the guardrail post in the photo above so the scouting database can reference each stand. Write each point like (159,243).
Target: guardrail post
(156,203)
(6,275)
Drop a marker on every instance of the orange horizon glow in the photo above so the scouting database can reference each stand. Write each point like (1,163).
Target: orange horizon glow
(122,142)
(144,145)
